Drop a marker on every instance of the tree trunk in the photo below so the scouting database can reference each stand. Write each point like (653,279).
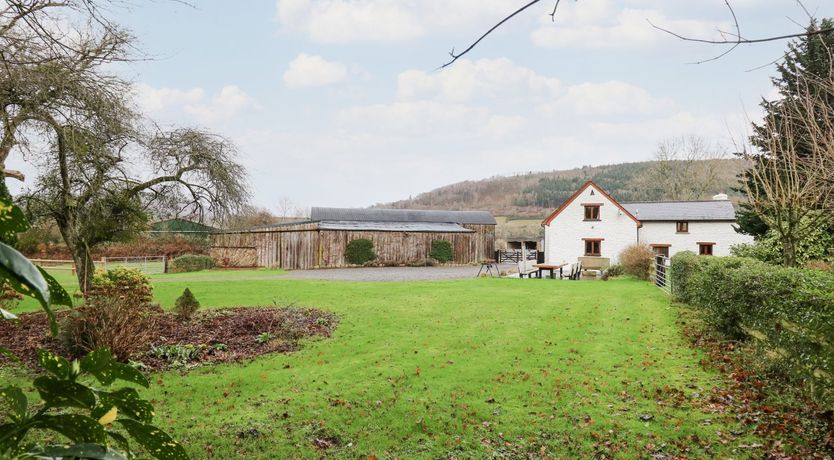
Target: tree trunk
(789,251)
(84,267)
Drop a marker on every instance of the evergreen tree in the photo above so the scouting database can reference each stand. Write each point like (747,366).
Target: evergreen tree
(807,59)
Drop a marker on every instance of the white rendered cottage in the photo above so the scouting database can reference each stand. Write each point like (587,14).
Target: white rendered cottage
(593,224)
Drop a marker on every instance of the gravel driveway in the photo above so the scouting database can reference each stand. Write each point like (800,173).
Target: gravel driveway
(388,273)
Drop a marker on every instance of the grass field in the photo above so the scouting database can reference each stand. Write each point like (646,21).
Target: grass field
(467,369)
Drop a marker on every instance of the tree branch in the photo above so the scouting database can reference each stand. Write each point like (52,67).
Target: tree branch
(457,56)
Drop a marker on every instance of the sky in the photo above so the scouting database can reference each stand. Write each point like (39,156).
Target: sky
(340,103)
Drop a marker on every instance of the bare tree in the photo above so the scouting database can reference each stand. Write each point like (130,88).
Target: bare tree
(51,69)
(685,168)
(95,194)
(103,171)
(791,187)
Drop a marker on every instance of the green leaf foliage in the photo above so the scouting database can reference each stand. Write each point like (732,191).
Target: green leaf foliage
(57,294)
(16,400)
(56,365)
(441,251)
(154,440)
(85,451)
(64,393)
(129,404)
(787,314)
(191,263)
(78,428)
(8,353)
(12,220)
(360,251)
(26,279)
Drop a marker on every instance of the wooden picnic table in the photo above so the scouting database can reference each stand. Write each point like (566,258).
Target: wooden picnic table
(552,268)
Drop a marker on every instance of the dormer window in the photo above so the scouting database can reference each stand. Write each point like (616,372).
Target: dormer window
(682,227)
(592,211)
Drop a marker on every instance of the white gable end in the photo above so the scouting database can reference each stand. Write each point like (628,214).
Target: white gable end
(567,230)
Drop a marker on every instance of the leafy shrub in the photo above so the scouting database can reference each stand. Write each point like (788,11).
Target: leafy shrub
(186,305)
(191,263)
(614,270)
(128,284)
(817,243)
(264,337)
(360,251)
(177,355)
(637,260)
(441,251)
(787,312)
(117,315)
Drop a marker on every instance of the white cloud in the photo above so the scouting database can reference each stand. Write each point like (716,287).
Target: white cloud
(174,103)
(484,78)
(609,98)
(306,71)
(598,24)
(342,21)
(152,99)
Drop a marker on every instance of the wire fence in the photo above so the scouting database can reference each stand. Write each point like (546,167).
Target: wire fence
(147,264)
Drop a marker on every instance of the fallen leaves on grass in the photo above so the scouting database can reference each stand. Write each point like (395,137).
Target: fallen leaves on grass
(766,406)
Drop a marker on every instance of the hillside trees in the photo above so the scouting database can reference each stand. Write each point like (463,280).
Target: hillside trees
(685,168)
(104,168)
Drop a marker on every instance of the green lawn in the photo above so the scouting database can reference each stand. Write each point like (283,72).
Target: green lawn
(465,369)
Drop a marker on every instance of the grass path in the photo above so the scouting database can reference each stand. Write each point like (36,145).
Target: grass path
(466,369)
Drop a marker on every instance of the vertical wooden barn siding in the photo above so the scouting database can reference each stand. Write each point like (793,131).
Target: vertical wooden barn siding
(305,246)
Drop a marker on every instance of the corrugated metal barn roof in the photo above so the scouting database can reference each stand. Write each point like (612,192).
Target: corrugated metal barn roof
(402,215)
(682,210)
(428,227)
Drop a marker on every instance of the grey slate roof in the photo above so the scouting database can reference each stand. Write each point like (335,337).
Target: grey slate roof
(432,227)
(402,215)
(720,210)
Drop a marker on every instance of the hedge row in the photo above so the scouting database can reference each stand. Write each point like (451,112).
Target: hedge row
(191,263)
(787,313)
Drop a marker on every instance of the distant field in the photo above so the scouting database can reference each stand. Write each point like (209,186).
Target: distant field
(477,368)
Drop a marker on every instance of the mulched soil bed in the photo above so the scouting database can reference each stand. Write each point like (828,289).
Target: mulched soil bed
(217,336)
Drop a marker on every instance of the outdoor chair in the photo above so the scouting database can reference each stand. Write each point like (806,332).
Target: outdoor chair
(577,271)
(526,269)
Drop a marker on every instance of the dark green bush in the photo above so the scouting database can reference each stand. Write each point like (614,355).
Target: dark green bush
(186,305)
(788,313)
(360,252)
(191,263)
(441,251)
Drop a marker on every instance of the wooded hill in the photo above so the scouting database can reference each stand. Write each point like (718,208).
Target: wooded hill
(536,194)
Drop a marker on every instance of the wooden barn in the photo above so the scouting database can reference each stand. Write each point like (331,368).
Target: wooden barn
(400,236)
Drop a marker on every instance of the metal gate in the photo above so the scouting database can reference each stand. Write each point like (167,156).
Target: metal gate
(662,273)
